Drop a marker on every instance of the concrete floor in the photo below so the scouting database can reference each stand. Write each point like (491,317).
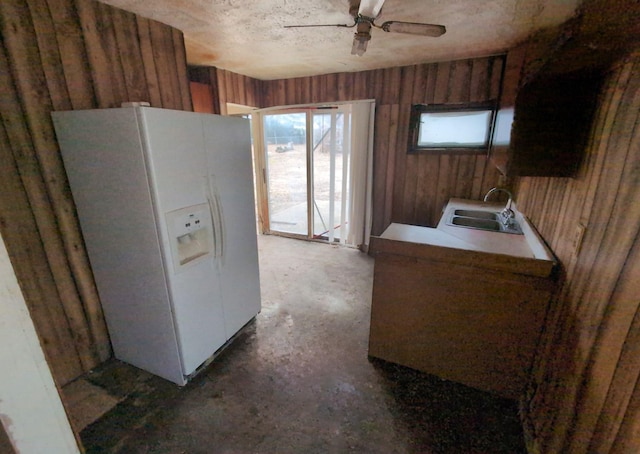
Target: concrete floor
(298,380)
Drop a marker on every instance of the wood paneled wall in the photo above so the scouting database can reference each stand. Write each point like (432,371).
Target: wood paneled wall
(224,86)
(410,189)
(238,89)
(413,188)
(62,55)
(585,396)
(204,89)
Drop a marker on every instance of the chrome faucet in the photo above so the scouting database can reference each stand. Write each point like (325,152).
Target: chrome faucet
(507,213)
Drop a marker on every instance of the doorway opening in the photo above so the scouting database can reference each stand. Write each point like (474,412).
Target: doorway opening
(316,170)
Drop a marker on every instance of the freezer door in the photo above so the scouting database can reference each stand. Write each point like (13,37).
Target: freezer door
(105,163)
(177,163)
(228,145)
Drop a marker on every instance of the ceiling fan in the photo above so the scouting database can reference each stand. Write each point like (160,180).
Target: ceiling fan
(365,13)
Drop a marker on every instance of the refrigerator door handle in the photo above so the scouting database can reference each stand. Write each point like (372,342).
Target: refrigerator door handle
(220,216)
(216,215)
(214,227)
(214,212)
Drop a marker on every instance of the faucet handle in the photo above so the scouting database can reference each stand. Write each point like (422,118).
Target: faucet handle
(507,215)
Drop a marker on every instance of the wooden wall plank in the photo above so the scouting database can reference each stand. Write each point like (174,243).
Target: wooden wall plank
(129,54)
(427,185)
(49,54)
(376,86)
(180,65)
(393,85)
(443,77)
(255,93)
(479,88)
(497,64)
(162,49)
(107,37)
(627,437)
(511,77)
(442,194)
(298,89)
(201,96)
(238,87)
(281,99)
(418,84)
(223,90)
(586,372)
(617,241)
(331,87)
(459,82)
(72,52)
(380,158)
(37,141)
(464,179)
(148,61)
(405,173)
(343,86)
(65,54)
(477,180)
(430,93)
(361,85)
(391,182)
(619,393)
(18,226)
(617,358)
(99,63)
(306,89)
(290,92)
(216,93)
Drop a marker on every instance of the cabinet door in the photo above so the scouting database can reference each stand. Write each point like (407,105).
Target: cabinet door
(552,124)
(470,325)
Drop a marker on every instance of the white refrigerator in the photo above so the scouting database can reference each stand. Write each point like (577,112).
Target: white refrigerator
(166,207)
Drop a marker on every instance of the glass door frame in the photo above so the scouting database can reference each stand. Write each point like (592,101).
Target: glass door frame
(261,163)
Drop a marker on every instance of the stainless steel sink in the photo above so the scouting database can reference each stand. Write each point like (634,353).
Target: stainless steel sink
(483,220)
(477,214)
(476,223)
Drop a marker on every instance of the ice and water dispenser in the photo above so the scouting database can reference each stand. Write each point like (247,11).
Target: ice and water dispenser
(190,234)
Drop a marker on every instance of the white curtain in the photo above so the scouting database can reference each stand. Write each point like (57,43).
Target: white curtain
(360,174)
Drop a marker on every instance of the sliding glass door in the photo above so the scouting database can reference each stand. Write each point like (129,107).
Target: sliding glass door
(285,142)
(308,170)
(330,151)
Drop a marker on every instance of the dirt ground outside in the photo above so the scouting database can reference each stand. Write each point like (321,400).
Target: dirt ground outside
(288,181)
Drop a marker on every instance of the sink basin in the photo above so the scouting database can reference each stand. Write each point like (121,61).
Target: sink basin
(482,220)
(476,223)
(477,214)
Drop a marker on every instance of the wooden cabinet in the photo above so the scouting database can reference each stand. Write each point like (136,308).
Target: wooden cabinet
(554,80)
(552,122)
(553,115)
(477,325)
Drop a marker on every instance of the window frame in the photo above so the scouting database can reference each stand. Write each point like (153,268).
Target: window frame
(414,127)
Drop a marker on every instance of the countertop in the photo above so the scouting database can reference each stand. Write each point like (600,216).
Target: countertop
(527,253)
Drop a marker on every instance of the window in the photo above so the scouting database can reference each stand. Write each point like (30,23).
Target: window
(451,129)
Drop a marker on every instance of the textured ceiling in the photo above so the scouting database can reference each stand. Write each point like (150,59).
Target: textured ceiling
(247,36)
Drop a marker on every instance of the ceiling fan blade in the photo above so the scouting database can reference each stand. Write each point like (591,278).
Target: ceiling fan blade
(370,8)
(414,28)
(320,25)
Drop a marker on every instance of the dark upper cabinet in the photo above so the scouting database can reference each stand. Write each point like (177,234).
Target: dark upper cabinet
(553,119)
(553,81)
